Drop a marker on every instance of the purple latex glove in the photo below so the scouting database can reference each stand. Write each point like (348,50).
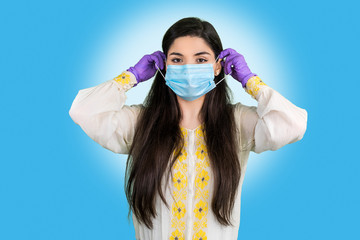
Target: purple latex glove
(235,65)
(145,68)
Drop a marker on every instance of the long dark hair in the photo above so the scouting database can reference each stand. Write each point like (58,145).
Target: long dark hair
(158,135)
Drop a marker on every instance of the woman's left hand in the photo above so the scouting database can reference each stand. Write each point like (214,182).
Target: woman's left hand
(235,65)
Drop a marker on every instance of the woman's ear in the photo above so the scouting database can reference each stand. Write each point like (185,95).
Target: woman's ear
(218,67)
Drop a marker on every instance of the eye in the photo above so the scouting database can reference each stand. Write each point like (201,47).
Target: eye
(202,60)
(176,60)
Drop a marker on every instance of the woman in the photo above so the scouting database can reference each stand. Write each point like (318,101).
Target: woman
(188,145)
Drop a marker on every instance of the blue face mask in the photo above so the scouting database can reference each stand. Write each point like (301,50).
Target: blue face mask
(190,81)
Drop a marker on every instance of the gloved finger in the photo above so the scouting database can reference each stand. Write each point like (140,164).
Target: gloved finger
(234,59)
(224,53)
(227,52)
(162,58)
(229,63)
(162,55)
(227,67)
(237,60)
(157,60)
(239,63)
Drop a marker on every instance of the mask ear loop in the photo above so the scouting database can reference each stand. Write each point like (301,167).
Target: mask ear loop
(225,74)
(158,69)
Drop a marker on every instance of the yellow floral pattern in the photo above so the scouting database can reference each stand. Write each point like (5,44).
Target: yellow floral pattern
(185,136)
(123,78)
(181,186)
(126,80)
(177,235)
(253,86)
(180,181)
(201,235)
(202,178)
(201,152)
(201,209)
(179,209)
(201,186)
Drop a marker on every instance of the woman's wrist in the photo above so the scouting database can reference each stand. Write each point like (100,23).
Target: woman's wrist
(253,85)
(126,80)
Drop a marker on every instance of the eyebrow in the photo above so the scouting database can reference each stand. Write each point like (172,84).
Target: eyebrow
(196,54)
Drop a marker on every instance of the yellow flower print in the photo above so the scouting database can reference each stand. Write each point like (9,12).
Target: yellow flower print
(253,86)
(123,78)
(180,194)
(183,155)
(202,164)
(202,179)
(179,166)
(199,133)
(201,194)
(175,223)
(201,235)
(184,132)
(177,235)
(185,135)
(179,180)
(178,209)
(201,209)
(201,152)
(201,224)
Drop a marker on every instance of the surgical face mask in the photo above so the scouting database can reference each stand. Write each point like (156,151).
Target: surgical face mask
(190,81)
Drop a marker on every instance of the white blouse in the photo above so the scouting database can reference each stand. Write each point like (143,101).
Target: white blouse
(102,114)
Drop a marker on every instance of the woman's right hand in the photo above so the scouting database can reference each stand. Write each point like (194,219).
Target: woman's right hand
(145,68)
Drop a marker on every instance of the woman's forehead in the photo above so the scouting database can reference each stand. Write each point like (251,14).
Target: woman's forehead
(190,46)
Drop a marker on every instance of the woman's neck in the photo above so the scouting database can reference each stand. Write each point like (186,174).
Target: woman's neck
(190,112)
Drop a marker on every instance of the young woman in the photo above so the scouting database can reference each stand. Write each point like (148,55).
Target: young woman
(188,145)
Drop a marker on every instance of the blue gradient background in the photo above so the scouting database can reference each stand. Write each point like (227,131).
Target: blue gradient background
(56,183)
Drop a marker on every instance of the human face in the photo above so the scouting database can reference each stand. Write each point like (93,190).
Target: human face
(191,50)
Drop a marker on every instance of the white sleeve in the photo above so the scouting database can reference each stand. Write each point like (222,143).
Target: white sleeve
(274,123)
(102,114)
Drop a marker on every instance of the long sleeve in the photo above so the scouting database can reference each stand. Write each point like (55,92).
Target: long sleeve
(274,123)
(102,114)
